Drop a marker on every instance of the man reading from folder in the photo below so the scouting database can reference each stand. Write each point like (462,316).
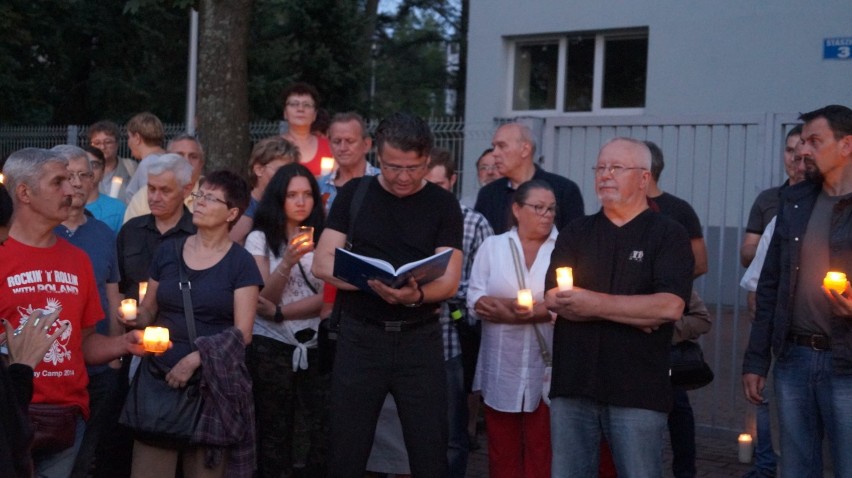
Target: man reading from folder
(390,339)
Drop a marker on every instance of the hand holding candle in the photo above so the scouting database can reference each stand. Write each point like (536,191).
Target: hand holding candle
(306,234)
(835,281)
(746,448)
(156,339)
(525,298)
(565,278)
(128,309)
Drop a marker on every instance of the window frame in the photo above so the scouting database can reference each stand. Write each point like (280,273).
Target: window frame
(597,82)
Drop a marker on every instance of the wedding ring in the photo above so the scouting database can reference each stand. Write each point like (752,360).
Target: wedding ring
(35,322)
(46,327)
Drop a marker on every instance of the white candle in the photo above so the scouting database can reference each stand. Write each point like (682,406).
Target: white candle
(525,298)
(565,278)
(155,339)
(128,309)
(114,186)
(2,178)
(326,165)
(746,447)
(143,289)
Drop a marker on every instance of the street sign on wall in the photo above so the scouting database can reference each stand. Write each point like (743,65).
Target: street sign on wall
(837,48)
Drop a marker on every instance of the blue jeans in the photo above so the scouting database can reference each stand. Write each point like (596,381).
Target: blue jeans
(457,413)
(635,437)
(764,454)
(60,464)
(370,362)
(681,423)
(812,403)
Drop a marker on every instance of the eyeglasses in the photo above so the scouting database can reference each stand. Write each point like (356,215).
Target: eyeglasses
(101,144)
(208,198)
(80,175)
(541,210)
(390,168)
(303,104)
(616,170)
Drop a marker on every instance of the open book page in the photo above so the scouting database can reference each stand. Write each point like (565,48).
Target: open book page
(357,269)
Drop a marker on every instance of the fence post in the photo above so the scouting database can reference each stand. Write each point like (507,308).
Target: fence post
(73,131)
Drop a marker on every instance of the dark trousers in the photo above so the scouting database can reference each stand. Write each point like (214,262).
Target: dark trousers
(371,363)
(682,435)
(278,392)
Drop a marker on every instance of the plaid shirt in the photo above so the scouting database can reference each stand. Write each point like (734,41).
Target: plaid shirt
(476,229)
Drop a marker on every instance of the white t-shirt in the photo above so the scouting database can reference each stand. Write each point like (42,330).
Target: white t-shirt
(295,289)
(752,274)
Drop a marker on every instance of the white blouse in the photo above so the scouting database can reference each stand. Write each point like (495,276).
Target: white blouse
(510,370)
(296,289)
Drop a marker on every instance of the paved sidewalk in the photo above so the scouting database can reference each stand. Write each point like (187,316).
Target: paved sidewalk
(717,458)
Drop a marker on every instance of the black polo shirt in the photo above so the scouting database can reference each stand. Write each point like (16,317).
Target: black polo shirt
(613,363)
(137,242)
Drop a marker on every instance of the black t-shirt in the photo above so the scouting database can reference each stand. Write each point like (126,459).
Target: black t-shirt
(613,363)
(398,230)
(681,211)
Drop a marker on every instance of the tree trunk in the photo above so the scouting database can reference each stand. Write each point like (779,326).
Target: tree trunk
(223,115)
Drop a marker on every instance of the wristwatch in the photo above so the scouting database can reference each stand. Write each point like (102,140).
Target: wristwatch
(278,317)
(419,300)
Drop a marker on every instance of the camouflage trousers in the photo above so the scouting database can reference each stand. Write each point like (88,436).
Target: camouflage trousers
(281,397)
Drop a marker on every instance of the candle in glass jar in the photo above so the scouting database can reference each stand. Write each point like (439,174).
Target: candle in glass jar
(114,186)
(155,339)
(128,309)
(143,289)
(565,278)
(525,298)
(326,165)
(835,281)
(746,447)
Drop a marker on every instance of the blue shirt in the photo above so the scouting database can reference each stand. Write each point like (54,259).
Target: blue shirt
(108,210)
(98,242)
(329,191)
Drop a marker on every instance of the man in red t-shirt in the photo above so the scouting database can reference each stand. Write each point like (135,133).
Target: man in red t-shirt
(43,273)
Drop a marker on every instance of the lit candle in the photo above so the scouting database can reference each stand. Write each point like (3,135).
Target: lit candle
(326,165)
(565,278)
(835,281)
(128,309)
(746,447)
(2,178)
(155,339)
(306,234)
(143,289)
(525,298)
(114,186)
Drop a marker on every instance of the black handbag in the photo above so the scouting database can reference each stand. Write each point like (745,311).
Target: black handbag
(689,371)
(155,412)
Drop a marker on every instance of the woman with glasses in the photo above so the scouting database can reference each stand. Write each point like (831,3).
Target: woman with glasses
(224,290)
(283,356)
(510,370)
(301,101)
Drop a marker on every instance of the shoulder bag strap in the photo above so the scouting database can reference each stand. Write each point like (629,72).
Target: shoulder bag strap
(542,344)
(355,206)
(305,276)
(185,287)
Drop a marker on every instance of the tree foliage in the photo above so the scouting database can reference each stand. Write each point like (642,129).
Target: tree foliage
(78,61)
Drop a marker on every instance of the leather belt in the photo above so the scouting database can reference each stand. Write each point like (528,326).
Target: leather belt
(816,342)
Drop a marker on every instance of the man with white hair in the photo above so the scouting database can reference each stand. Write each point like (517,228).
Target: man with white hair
(632,278)
(42,274)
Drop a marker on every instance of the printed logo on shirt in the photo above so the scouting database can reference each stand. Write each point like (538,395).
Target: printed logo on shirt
(59,351)
(636,256)
(58,282)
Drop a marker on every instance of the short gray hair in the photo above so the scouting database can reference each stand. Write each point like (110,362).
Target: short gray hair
(175,163)
(635,142)
(25,167)
(186,137)
(69,152)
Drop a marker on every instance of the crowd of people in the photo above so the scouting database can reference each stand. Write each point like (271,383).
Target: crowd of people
(302,372)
